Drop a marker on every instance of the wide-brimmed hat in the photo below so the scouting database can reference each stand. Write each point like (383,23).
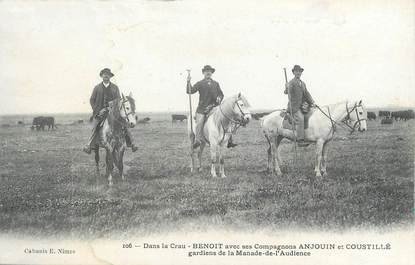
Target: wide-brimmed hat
(106,71)
(297,67)
(208,68)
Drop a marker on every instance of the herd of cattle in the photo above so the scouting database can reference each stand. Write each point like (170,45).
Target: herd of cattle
(386,117)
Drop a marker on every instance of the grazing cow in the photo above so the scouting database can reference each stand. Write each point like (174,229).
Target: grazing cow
(386,120)
(40,122)
(384,113)
(144,121)
(178,117)
(371,115)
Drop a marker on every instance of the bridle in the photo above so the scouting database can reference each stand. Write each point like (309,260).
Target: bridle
(124,100)
(359,120)
(352,129)
(122,108)
(238,122)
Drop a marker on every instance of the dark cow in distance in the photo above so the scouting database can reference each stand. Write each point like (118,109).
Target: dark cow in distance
(384,113)
(371,115)
(40,122)
(403,115)
(144,121)
(178,117)
(386,120)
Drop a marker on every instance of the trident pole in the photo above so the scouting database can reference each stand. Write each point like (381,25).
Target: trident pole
(292,115)
(190,102)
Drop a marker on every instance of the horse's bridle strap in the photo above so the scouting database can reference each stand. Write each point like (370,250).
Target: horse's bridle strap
(232,120)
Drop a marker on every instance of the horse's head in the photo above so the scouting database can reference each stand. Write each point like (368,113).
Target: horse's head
(357,115)
(241,109)
(127,110)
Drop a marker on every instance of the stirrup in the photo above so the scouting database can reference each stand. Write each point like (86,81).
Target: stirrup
(196,144)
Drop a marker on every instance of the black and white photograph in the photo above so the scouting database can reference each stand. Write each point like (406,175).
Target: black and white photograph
(207,132)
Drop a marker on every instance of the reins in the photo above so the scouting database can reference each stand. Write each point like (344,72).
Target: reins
(237,122)
(123,121)
(344,121)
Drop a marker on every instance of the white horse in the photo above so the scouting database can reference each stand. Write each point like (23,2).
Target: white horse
(221,122)
(322,126)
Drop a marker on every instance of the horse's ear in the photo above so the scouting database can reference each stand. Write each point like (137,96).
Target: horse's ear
(239,95)
(122,95)
(360,102)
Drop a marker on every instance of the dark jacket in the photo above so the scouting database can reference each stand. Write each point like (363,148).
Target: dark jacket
(298,93)
(210,94)
(102,95)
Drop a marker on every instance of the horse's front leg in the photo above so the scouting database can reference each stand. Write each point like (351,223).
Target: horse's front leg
(121,162)
(199,156)
(221,161)
(275,155)
(97,159)
(319,155)
(110,165)
(324,159)
(213,158)
(269,153)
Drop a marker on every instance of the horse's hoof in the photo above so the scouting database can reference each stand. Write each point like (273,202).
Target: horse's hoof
(223,176)
(318,177)
(110,184)
(214,176)
(122,177)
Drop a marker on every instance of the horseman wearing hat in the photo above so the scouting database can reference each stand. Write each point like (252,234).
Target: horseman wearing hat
(210,95)
(298,95)
(103,93)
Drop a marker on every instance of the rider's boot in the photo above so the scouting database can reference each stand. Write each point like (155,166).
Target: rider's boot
(231,144)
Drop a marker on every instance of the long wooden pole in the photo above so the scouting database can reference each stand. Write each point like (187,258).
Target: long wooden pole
(190,102)
(292,115)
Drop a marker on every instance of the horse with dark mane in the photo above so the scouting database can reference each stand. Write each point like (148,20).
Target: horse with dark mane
(111,134)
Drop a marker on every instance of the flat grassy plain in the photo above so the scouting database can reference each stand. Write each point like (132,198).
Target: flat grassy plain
(49,188)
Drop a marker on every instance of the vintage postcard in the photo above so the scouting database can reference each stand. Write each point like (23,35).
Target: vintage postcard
(207,132)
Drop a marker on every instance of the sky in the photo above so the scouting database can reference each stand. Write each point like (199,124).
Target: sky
(51,52)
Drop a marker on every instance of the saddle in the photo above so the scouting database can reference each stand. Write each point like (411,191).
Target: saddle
(289,120)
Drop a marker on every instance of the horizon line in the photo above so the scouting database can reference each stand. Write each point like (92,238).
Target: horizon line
(180,111)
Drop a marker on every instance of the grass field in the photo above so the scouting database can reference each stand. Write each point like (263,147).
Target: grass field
(49,187)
